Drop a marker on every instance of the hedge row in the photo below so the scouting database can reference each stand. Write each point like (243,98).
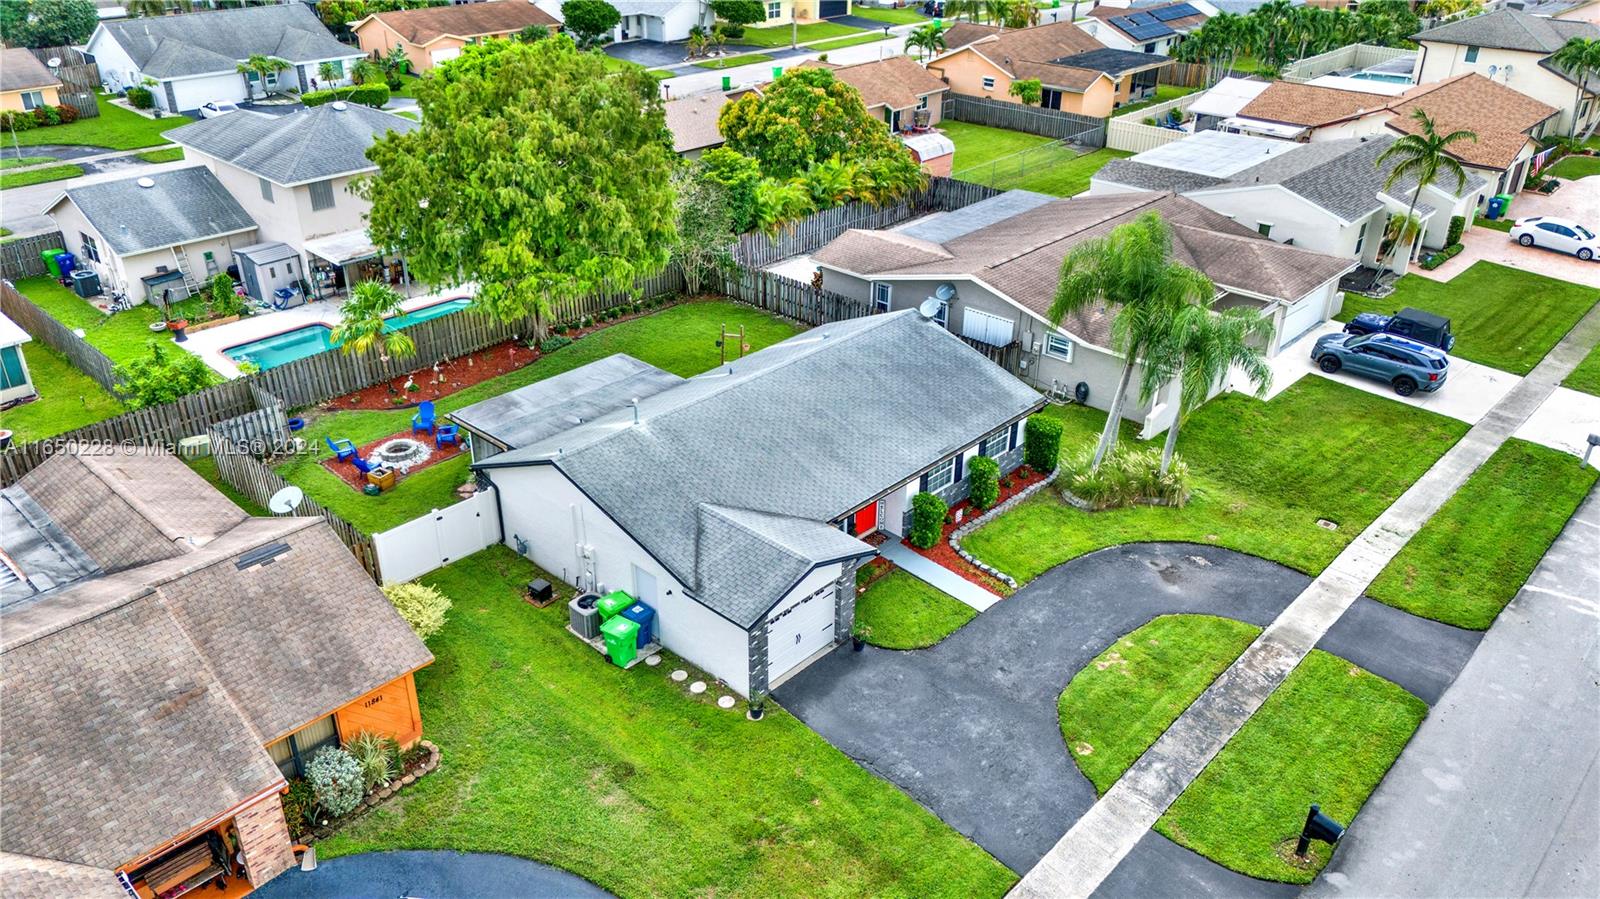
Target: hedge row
(374,95)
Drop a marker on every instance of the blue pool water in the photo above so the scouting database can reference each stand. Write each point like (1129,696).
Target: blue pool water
(281,349)
(1388,77)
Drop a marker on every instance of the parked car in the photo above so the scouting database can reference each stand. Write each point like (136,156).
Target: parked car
(217,108)
(1407,365)
(1563,235)
(1423,327)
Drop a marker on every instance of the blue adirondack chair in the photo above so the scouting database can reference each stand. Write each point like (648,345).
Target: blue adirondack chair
(361,464)
(447,434)
(343,449)
(423,420)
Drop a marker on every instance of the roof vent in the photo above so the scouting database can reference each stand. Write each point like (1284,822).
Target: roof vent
(339,105)
(146,182)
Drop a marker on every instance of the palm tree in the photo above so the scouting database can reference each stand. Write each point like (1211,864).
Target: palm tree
(364,326)
(1580,58)
(1201,348)
(365,71)
(928,37)
(1423,158)
(261,67)
(1132,268)
(329,73)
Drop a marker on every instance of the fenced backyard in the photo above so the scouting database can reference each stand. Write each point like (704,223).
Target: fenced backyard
(1352,56)
(19,257)
(1079,129)
(1019,169)
(1131,132)
(80,78)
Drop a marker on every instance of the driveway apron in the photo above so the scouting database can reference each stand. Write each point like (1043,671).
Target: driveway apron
(435,874)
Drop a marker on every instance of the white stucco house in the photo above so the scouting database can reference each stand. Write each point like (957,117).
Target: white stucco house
(650,20)
(736,502)
(194,57)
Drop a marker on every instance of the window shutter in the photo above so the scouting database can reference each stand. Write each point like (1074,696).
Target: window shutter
(922,487)
(1012,443)
(961,466)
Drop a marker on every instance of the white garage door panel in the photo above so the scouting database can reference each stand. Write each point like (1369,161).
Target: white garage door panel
(445,55)
(1300,318)
(799,632)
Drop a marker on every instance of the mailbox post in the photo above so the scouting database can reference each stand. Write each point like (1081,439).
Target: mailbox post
(1318,827)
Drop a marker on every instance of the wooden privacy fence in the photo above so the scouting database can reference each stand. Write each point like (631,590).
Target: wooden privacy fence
(80,78)
(57,336)
(1184,74)
(1080,129)
(1129,132)
(19,257)
(792,299)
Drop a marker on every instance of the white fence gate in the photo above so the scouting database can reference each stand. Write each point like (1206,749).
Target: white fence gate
(437,539)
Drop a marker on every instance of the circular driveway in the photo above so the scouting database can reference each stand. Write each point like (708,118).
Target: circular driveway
(430,874)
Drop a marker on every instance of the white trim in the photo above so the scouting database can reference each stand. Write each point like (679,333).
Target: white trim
(1049,351)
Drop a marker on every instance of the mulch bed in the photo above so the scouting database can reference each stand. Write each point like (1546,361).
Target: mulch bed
(943,554)
(348,473)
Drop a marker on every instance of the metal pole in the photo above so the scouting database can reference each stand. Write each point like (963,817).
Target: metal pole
(1303,846)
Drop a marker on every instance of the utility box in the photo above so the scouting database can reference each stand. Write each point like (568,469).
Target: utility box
(622,640)
(85,283)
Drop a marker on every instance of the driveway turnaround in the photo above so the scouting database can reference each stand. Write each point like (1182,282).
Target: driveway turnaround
(969,727)
(433,874)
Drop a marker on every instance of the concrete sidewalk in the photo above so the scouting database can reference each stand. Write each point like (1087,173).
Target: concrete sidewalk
(1100,840)
(921,568)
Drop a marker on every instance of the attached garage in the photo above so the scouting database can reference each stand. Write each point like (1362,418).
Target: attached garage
(832,9)
(1300,318)
(801,630)
(444,55)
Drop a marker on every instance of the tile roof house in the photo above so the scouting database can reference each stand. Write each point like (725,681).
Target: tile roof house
(1513,48)
(735,502)
(1294,111)
(1154,28)
(1327,196)
(1077,75)
(996,264)
(434,34)
(167,663)
(194,57)
(893,89)
(25,82)
(667,20)
(163,232)
(1507,122)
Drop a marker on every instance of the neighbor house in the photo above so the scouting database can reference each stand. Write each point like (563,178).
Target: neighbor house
(194,58)
(1147,29)
(154,236)
(16,384)
(693,122)
(737,503)
(1305,112)
(292,173)
(25,82)
(1077,73)
(991,269)
(1328,196)
(1513,48)
(783,12)
(1223,100)
(431,35)
(897,90)
(650,20)
(168,665)
(1508,125)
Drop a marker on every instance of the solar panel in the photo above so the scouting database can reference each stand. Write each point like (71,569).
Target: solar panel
(1141,18)
(1168,13)
(1141,26)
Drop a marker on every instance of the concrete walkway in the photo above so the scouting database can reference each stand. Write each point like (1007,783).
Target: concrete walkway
(929,572)
(1498,794)
(1103,837)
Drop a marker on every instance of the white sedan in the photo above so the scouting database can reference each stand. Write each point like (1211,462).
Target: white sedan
(217,108)
(1562,235)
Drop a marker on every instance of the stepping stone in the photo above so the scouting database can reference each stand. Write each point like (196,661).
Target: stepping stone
(697,687)
(653,661)
(680,675)
(725,702)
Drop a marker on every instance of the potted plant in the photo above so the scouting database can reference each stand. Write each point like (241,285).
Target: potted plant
(177,326)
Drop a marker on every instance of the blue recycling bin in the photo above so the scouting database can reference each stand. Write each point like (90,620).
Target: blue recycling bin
(1497,208)
(66,262)
(645,617)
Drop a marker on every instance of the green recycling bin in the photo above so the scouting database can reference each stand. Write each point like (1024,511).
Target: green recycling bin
(613,603)
(49,257)
(622,638)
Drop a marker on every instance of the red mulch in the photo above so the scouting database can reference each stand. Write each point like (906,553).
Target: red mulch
(348,473)
(946,556)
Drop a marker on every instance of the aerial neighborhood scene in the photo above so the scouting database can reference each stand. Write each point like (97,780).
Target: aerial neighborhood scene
(793,448)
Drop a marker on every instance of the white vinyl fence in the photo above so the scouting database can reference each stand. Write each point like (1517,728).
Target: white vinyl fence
(1350,56)
(438,538)
(1129,132)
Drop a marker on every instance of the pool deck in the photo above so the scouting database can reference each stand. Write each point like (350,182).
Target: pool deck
(210,343)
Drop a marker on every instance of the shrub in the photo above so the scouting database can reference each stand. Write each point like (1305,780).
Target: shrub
(983,481)
(68,114)
(1041,443)
(221,297)
(1128,476)
(298,804)
(416,755)
(533,33)
(1457,225)
(141,98)
(336,780)
(1434,260)
(17,121)
(731,31)
(373,94)
(162,377)
(378,756)
(44,116)
(551,344)
(927,520)
(422,607)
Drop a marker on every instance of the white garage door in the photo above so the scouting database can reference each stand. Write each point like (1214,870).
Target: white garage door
(439,56)
(797,633)
(1300,318)
(655,28)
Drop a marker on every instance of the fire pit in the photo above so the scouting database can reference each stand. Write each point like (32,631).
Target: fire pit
(401,453)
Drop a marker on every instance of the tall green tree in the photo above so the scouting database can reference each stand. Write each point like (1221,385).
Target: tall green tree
(1131,269)
(740,12)
(805,116)
(536,173)
(704,247)
(364,323)
(1422,158)
(1201,348)
(1029,91)
(47,23)
(738,175)
(1579,57)
(259,66)
(589,20)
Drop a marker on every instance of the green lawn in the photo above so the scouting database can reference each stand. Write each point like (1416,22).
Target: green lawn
(1575,167)
(122,337)
(1263,474)
(1502,317)
(39,176)
(984,155)
(166,154)
(408,86)
(206,467)
(1503,225)
(1470,559)
(907,16)
(17,162)
(1125,699)
(1586,377)
(409,114)
(780,35)
(728,62)
(680,339)
(1326,736)
(115,127)
(901,612)
(623,777)
(68,398)
(868,38)
(1164,93)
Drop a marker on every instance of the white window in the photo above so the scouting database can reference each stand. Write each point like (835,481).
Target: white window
(941,476)
(988,83)
(943,315)
(996,443)
(91,250)
(880,296)
(32,99)
(1058,346)
(266,189)
(321,194)
(774,8)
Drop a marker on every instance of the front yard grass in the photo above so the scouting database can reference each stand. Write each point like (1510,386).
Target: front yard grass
(1586,377)
(68,398)
(900,611)
(1502,317)
(39,176)
(1473,555)
(1574,167)
(984,155)
(1327,735)
(905,16)
(680,339)
(115,128)
(1125,699)
(1263,474)
(780,35)
(728,62)
(550,753)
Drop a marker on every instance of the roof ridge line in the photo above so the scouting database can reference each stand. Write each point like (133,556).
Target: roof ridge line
(1157,196)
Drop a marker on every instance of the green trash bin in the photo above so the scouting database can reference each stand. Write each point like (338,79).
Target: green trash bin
(622,638)
(613,603)
(49,257)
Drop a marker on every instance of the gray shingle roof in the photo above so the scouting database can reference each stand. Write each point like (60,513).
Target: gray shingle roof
(1131,173)
(810,428)
(21,70)
(309,145)
(183,205)
(27,877)
(203,43)
(1510,29)
(544,408)
(748,560)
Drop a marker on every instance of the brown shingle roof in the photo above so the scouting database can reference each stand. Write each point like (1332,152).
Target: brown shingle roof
(21,70)
(897,82)
(1311,106)
(428,24)
(693,121)
(1500,116)
(26,877)
(1030,52)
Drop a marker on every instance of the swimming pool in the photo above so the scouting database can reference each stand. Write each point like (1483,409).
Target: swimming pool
(281,349)
(1387,77)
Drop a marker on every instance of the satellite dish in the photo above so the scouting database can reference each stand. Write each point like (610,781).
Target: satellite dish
(340,105)
(1492,70)
(286,500)
(53,62)
(945,292)
(1506,71)
(929,308)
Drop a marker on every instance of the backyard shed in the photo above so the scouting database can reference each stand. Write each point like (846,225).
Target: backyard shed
(16,384)
(265,267)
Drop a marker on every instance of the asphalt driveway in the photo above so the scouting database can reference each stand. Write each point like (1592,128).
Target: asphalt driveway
(969,727)
(434,874)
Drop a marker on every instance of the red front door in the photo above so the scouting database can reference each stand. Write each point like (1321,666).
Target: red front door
(866,519)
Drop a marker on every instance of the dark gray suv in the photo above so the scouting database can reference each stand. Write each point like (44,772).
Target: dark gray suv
(1408,366)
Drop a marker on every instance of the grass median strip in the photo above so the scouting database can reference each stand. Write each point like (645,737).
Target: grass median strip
(728,62)
(1586,377)
(901,612)
(165,154)
(837,43)
(39,176)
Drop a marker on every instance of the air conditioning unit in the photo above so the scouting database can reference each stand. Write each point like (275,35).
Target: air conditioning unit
(583,616)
